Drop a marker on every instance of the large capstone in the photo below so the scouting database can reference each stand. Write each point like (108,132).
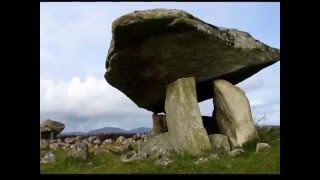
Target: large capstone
(185,127)
(233,113)
(151,49)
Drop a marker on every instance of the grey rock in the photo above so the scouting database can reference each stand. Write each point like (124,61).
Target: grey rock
(78,138)
(92,138)
(219,143)
(79,150)
(126,157)
(107,141)
(201,160)
(49,158)
(236,152)
(120,139)
(186,131)
(70,140)
(129,141)
(66,145)
(157,145)
(164,161)
(233,113)
(262,147)
(139,141)
(97,142)
(118,149)
(44,143)
(89,144)
(55,146)
(53,141)
(134,137)
(214,156)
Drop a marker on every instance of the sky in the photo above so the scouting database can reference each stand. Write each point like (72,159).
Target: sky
(74,41)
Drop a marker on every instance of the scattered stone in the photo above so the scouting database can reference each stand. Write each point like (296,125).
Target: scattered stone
(66,145)
(53,141)
(139,141)
(134,137)
(214,156)
(163,161)
(142,136)
(89,144)
(201,160)
(118,149)
(92,138)
(79,150)
(107,141)
(59,140)
(44,143)
(55,146)
(78,138)
(69,140)
(236,152)
(48,158)
(137,157)
(157,144)
(228,166)
(219,143)
(97,142)
(262,147)
(120,139)
(129,141)
(127,156)
(89,163)
(143,155)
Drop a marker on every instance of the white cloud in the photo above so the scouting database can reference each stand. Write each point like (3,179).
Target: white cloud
(88,97)
(256,102)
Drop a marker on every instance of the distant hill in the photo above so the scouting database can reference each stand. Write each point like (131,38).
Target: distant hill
(111,130)
(107,130)
(75,133)
(140,130)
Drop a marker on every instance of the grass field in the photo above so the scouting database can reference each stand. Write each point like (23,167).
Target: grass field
(247,163)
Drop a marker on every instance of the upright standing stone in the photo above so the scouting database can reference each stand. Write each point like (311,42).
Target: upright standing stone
(186,131)
(159,124)
(233,113)
(51,135)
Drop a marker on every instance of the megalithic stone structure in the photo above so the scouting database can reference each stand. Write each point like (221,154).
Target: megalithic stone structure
(165,60)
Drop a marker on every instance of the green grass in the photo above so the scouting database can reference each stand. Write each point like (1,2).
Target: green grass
(246,163)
